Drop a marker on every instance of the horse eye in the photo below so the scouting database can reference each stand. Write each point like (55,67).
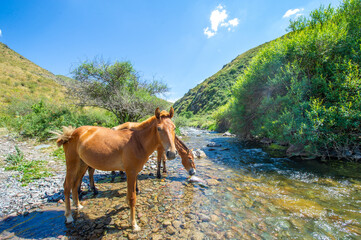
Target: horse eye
(159,129)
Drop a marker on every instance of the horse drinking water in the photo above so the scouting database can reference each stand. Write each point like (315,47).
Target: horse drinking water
(108,150)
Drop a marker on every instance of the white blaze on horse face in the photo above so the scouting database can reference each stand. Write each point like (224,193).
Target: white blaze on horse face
(167,137)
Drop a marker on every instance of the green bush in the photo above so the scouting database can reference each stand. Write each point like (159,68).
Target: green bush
(305,87)
(36,120)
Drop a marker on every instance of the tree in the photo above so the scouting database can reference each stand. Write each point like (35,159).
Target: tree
(116,87)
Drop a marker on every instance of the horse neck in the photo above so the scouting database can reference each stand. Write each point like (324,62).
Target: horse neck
(147,135)
(181,148)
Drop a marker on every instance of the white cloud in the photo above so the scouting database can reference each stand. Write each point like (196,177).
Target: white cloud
(1,33)
(218,19)
(291,12)
(208,32)
(234,22)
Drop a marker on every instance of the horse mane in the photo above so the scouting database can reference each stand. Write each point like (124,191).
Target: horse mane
(148,122)
(181,145)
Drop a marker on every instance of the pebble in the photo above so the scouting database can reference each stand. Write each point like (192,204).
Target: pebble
(167,223)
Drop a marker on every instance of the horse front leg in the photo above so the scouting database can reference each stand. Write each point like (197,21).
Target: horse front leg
(160,152)
(131,197)
(163,160)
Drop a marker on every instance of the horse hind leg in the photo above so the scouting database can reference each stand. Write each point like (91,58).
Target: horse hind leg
(76,184)
(67,188)
(91,180)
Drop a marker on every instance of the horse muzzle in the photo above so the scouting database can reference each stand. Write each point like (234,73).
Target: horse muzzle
(170,155)
(192,172)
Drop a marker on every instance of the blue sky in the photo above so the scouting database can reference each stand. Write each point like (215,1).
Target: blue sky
(179,42)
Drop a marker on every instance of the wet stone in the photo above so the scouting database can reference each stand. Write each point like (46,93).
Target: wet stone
(157,237)
(132,236)
(198,236)
(167,223)
(212,182)
(214,218)
(171,230)
(204,218)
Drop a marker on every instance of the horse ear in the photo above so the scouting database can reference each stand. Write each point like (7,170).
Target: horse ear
(171,112)
(157,113)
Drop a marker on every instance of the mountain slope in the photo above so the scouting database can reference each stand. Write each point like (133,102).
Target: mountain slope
(21,79)
(215,91)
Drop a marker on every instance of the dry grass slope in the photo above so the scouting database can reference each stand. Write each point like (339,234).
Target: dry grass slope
(21,79)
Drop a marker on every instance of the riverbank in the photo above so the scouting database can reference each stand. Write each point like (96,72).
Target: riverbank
(247,194)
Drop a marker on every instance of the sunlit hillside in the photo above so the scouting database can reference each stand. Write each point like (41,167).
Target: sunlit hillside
(215,91)
(21,79)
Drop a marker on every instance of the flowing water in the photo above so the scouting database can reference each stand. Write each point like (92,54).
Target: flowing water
(247,195)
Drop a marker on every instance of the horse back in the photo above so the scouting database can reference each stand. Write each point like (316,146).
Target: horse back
(99,147)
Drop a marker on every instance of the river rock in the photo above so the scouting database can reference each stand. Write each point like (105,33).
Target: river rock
(167,223)
(177,224)
(212,182)
(213,144)
(132,236)
(214,218)
(296,151)
(171,230)
(197,236)
(204,218)
(157,237)
(228,134)
(199,153)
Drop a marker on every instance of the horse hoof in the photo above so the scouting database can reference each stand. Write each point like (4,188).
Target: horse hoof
(136,228)
(95,191)
(159,176)
(69,219)
(80,207)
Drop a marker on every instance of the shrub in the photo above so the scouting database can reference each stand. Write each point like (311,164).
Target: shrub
(305,87)
(36,120)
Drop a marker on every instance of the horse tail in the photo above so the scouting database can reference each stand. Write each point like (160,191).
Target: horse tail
(65,136)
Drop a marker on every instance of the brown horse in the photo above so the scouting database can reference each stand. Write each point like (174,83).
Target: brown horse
(108,150)
(184,152)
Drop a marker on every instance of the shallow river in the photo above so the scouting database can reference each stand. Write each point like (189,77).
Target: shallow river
(248,195)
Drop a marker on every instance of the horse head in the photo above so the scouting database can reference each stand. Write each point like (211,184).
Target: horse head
(188,163)
(166,131)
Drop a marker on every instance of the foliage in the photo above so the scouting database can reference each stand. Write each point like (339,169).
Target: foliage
(16,158)
(38,119)
(305,87)
(116,88)
(30,170)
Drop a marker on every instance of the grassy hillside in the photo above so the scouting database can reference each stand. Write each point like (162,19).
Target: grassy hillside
(305,88)
(21,79)
(215,91)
